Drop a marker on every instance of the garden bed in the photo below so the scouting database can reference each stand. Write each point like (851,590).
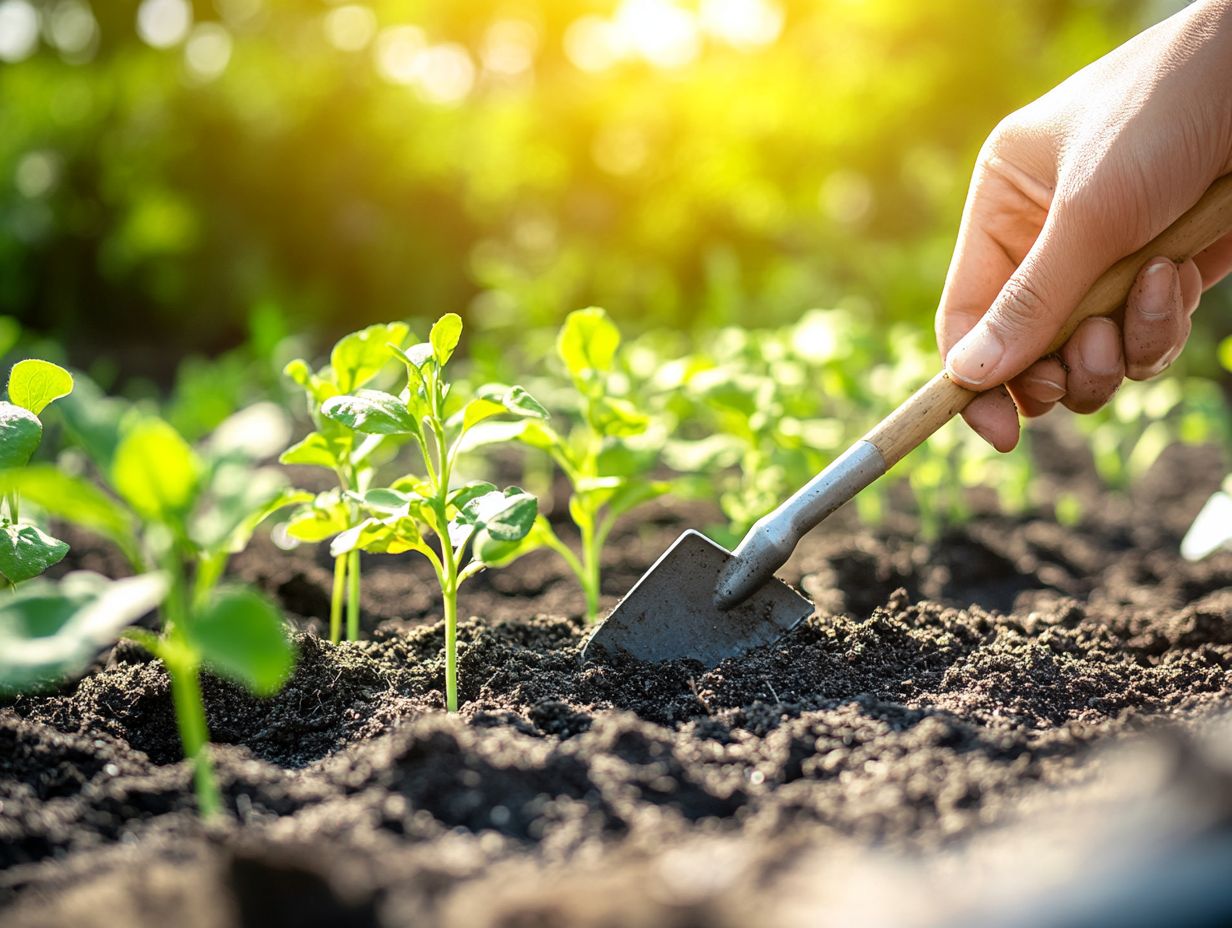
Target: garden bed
(944,694)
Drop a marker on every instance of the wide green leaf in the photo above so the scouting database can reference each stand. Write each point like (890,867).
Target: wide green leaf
(493,553)
(20,434)
(614,417)
(313,450)
(33,384)
(360,356)
(241,635)
(75,500)
(323,518)
(479,410)
(444,337)
(26,552)
(51,630)
(587,342)
(372,412)
(497,516)
(156,471)
(376,536)
(463,495)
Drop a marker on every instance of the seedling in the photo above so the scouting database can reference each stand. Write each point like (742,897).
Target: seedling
(460,530)
(25,550)
(357,360)
(609,473)
(185,512)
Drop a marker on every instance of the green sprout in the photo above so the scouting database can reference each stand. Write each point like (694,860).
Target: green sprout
(183,512)
(356,360)
(460,529)
(25,550)
(608,472)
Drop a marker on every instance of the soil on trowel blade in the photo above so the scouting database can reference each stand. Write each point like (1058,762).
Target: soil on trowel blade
(939,691)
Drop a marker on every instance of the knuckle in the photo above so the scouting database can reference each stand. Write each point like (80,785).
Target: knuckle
(1019,308)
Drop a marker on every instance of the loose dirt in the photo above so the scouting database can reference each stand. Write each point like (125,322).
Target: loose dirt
(943,690)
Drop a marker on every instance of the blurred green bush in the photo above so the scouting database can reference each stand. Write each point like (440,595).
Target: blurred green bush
(166,166)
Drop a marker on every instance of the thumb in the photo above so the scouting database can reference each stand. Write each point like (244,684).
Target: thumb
(1031,307)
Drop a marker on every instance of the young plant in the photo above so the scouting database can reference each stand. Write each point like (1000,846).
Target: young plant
(357,360)
(183,511)
(460,529)
(25,550)
(607,469)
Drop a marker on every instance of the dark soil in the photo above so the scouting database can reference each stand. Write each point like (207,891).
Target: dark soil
(943,695)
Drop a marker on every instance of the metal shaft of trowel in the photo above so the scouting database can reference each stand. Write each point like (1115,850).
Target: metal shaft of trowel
(772,538)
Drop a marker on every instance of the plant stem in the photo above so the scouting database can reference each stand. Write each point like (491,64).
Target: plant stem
(451,648)
(590,570)
(353,596)
(194,733)
(335,602)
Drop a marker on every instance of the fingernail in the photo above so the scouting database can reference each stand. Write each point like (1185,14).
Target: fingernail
(975,357)
(1044,389)
(1157,291)
(1100,347)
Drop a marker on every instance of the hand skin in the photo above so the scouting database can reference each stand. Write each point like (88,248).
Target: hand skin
(1063,189)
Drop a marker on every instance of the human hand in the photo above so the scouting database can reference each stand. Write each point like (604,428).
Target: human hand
(1064,188)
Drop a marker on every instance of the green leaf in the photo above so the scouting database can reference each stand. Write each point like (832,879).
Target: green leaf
(479,409)
(241,635)
(493,553)
(385,500)
(313,450)
(497,516)
(50,630)
(463,495)
(26,552)
(34,384)
(324,518)
(75,500)
(617,418)
(1225,353)
(444,337)
(155,471)
(360,356)
(20,434)
(372,412)
(521,403)
(375,536)
(587,342)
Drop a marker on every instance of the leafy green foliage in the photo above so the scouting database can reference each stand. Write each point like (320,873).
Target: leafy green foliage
(360,432)
(609,455)
(185,509)
(49,631)
(460,530)
(25,550)
(35,384)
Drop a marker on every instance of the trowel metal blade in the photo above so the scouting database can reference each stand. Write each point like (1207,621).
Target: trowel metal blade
(670,612)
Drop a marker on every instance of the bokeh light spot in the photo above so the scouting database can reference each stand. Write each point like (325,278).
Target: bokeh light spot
(163,23)
(37,173)
(350,28)
(742,23)
(660,32)
(19,30)
(397,53)
(72,29)
(208,51)
(509,46)
(592,44)
(445,74)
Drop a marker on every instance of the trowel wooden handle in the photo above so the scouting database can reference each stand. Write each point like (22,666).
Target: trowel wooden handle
(939,400)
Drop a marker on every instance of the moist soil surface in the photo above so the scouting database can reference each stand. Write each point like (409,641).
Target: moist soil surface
(943,689)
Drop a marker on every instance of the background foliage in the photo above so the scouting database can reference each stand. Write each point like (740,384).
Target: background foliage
(168,166)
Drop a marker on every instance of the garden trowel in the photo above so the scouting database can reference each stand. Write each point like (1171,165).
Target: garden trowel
(703,602)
